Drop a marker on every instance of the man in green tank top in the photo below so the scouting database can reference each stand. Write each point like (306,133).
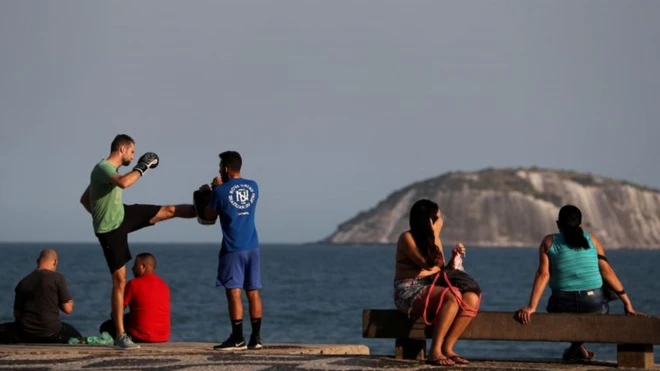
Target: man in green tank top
(112,220)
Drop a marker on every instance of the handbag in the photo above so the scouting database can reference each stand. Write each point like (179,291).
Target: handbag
(454,280)
(463,281)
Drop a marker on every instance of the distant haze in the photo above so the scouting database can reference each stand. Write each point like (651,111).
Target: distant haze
(333,104)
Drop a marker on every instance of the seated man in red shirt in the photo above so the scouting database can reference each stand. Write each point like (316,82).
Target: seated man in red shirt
(148,298)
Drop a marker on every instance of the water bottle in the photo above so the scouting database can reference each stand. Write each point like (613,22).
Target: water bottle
(104,339)
(459,254)
(93,340)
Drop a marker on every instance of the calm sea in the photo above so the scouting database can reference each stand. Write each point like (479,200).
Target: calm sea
(313,294)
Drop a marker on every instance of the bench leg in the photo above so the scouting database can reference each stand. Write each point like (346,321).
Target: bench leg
(635,355)
(410,349)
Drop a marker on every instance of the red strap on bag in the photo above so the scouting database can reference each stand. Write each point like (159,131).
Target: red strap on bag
(457,294)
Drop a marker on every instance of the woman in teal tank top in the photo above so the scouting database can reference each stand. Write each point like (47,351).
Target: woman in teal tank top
(573,263)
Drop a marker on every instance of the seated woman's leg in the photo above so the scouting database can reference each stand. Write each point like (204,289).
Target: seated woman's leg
(441,322)
(577,352)
(587,303)
(471,301)
(565,303)
(577,302)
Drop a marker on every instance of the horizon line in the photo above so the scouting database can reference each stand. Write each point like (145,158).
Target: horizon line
(155,242)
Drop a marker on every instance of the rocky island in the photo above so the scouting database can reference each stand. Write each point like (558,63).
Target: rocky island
(515,208)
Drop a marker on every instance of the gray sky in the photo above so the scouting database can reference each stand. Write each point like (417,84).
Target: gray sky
(333,104)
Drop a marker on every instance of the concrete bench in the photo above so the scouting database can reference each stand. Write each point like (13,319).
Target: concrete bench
(634,335)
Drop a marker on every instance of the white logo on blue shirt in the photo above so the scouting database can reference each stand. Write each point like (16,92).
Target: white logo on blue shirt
(241,196)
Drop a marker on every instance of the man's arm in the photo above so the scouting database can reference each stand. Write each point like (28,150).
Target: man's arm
(121,181)
(129,292)
(126,180)
(67,307)
(211,210)
(63,295)
(147,161)
(85,200)
(108,173)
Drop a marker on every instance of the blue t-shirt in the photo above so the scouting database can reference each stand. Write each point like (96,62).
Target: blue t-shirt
(236,204)
(573,269)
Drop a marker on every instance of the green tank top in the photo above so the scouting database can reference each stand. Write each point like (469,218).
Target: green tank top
(106,198)
(573,269)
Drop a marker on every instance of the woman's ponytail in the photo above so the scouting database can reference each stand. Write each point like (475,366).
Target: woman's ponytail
(570,221)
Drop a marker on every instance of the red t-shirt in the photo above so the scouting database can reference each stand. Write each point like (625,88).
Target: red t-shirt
(148,298)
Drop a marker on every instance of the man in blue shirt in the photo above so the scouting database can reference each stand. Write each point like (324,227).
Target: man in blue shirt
(234,200)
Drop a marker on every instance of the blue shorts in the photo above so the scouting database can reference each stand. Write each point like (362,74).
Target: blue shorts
(239,270)
(587,301)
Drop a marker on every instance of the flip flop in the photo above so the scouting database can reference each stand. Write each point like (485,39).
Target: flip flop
(459,360)
(576,355)
(590,355)
(441,362)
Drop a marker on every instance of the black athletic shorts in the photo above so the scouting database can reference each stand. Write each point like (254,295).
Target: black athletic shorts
(115,242)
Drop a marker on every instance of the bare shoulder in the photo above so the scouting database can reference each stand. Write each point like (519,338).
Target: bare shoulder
(597,244)
(406,238)
(405,241)
(546,243)
(593,238)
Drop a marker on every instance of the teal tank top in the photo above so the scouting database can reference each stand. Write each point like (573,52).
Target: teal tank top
(573,269)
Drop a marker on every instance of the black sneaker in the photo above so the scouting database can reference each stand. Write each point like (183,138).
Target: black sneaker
(231,344)
(255,343)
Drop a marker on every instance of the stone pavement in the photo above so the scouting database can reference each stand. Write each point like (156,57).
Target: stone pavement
(201,356)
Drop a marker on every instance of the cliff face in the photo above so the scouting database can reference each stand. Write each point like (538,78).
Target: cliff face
(515,207)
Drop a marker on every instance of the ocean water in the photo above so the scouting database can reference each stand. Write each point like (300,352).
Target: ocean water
(314,293)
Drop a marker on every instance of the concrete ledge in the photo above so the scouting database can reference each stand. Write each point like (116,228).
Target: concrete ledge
(199,356)
(186,348)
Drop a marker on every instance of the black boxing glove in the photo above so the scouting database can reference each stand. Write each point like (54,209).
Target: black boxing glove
(148,161)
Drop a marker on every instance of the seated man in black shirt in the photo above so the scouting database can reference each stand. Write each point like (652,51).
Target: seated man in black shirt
(39,298)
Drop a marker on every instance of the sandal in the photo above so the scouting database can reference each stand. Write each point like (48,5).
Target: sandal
(441,362)
(580,354)
(459,360)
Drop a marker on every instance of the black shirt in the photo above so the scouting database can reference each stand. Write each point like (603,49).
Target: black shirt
(38,299)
